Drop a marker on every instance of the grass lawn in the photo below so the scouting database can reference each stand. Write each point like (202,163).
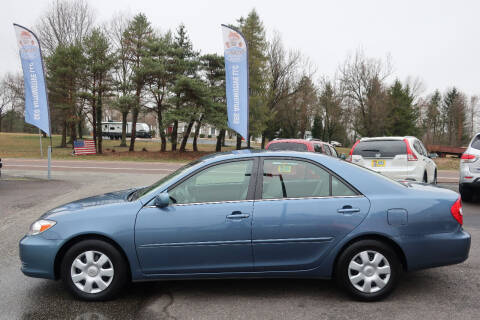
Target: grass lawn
(22,145)
(448,163)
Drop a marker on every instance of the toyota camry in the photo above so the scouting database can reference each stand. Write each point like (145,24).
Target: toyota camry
(247,214)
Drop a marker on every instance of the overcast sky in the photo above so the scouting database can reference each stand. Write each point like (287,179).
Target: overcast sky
(436,41)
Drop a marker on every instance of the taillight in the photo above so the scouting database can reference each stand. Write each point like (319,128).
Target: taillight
(349,158)
(410,155)
(467,158)
(457,212)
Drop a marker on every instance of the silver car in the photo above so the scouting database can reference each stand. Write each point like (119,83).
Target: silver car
(470,170)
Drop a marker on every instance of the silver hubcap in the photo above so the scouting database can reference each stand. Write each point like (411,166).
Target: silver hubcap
(92,271)
(369,271)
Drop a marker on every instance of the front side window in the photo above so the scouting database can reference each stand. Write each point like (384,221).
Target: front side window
(222,182)
(284,178)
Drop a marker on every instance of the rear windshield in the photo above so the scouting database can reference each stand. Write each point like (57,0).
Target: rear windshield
(380,148)
(287,146)
(476,143)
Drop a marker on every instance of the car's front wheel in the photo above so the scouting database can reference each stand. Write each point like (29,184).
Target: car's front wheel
(368,270)
(94,270)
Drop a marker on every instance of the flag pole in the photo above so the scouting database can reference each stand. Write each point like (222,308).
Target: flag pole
(41,147)
(44,85)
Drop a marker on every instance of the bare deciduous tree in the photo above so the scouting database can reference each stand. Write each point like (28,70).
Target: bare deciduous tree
(282,69)
(473,115)
(362,81)
(65,22)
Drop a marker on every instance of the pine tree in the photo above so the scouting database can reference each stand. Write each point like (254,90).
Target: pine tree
(136,38)
(183,63)
(64,77)
(159,78)
(254,32)
(402,114)
(213,67)
(99,63)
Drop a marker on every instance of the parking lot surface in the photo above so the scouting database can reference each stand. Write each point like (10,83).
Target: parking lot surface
(451,292)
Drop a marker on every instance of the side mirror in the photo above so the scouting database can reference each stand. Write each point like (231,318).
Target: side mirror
(433,155)
(343,156)
(162,200)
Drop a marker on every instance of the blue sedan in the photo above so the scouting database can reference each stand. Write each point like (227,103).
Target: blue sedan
(251,214)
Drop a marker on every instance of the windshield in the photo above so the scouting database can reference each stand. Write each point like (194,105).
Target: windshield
(143,191)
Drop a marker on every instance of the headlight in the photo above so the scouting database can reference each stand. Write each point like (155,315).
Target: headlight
(40,226)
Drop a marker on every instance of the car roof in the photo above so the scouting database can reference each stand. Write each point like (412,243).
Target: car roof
(249,153)
(386,138)
(303,141)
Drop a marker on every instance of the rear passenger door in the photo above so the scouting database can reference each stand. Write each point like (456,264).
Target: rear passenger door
(301,211)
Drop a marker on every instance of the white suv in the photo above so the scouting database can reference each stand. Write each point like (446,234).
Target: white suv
(470,170)
(400,158)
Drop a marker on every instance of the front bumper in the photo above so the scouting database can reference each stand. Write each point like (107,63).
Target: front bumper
(436,250)
(37,255)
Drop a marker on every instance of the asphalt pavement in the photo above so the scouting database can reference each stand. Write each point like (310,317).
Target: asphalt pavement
(451,292)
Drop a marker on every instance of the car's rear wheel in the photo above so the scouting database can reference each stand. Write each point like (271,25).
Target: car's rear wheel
(94,270)
(425,177)
(368,270)
(466,193)
(435,178)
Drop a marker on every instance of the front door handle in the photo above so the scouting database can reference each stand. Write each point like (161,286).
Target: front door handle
(238,215)
(348,209)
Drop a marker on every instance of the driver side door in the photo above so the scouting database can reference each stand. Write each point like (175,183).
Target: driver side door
(207,226)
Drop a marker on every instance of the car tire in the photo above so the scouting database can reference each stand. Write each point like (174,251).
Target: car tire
(376,278)
(94,270)
(435,177)
(466,193)
(425,177)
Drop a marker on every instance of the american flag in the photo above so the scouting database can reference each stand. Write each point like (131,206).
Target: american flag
(84,147)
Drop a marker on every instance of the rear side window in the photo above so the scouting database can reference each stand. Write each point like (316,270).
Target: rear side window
(418,147)
(327,150)
(476,142)
(339,189)
(318,148)
(285,178)
(380,148)
(333,151)
(287,146)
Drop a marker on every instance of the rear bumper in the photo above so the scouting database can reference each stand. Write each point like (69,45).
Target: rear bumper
(436,250)
(37,255)
(473,179)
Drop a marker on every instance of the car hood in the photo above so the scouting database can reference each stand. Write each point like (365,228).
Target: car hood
(99,200)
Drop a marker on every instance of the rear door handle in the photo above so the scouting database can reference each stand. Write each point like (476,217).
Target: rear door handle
(238,215)
(348,209)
